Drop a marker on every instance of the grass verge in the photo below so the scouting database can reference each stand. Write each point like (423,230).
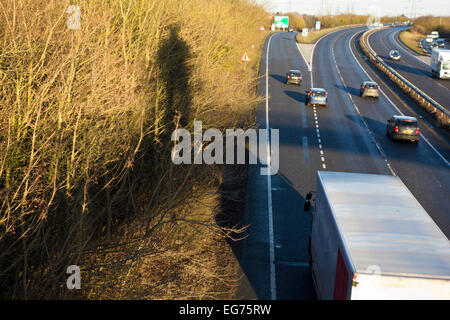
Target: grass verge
(412,39)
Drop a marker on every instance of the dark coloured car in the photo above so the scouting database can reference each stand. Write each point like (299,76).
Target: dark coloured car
(316,96)
(294,76)
(403,128)
(369,89)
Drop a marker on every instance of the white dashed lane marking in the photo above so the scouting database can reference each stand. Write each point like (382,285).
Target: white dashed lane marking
(322,155)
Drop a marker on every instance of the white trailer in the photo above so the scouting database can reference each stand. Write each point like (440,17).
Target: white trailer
(440,63)
(371,239)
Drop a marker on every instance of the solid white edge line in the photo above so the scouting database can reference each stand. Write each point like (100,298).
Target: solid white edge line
(392,103)
(273,287)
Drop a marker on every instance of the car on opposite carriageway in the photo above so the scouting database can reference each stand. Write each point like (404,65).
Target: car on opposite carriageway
(394,55)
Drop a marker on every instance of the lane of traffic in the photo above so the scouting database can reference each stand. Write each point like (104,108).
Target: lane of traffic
(288,275)
(299,161)
(348,147)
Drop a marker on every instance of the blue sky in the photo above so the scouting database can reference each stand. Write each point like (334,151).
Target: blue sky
(386,7)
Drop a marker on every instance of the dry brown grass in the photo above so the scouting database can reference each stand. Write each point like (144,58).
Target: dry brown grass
(86,118)
(185,258)
(424,25)
(412,39)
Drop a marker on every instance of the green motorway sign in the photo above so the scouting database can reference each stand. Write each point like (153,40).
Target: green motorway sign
(281,21)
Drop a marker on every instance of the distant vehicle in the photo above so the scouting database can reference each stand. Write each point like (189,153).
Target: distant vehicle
(434,34)
(440,42)
(394,55)
(434,44)
(290,29)
(440,63)
(403,128)
(371,239)
(429,39)
(294,76)
(316,96)
(369,89)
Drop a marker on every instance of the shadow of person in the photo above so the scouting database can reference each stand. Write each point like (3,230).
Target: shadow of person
(173,93)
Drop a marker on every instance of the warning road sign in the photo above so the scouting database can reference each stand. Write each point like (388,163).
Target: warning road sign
(245,57)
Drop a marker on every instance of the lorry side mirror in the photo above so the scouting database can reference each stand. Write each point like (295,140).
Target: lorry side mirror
(309,196)
(307,206)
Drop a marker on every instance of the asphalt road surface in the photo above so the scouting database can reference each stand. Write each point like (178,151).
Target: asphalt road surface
(348,135)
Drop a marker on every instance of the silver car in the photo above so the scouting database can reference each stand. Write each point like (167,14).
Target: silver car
(369,89)
(394,55)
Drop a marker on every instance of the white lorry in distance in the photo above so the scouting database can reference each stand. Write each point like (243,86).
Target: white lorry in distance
(371,239)
(434,34)
(440,63)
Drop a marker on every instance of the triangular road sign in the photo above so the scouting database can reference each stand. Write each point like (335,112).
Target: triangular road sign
(245,57)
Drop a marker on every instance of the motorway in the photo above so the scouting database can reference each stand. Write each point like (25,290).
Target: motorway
(410,66)
(348,135)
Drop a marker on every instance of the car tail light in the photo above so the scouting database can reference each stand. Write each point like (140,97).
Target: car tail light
(289,76)
(418,131)
(326,95)
(396,129)
(355,281)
